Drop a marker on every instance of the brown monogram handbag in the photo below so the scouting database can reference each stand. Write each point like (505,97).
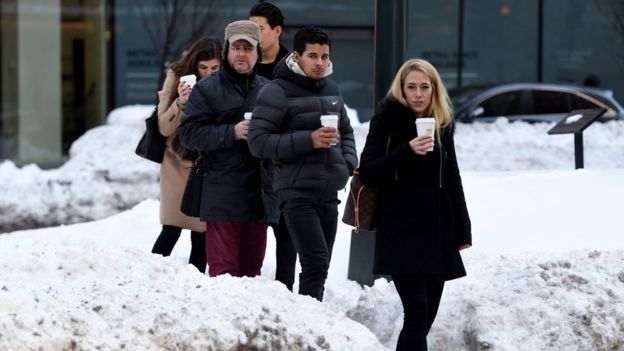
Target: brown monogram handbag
(361,207)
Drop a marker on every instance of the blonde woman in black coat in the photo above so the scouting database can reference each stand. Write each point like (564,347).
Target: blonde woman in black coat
(423,221)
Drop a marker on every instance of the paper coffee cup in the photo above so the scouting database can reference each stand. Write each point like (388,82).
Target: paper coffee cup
(329,121)
(247,116)
(426,126)
(190,79)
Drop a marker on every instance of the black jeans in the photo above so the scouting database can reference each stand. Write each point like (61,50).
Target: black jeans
(421,299)
(312,226)
(285,254)
(169,237)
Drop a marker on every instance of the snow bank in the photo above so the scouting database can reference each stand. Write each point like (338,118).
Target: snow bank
(560,301)
(102,177)
(563,301)
(504,146)
(75,279)
(124,298)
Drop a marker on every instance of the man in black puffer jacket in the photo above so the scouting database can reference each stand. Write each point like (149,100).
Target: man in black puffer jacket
(231,202)
(311,162)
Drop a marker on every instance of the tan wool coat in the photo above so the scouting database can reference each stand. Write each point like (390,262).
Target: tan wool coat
(173,171)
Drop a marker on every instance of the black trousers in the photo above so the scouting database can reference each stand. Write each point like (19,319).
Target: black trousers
(312,226)
(421,299)
(285,254)
(169,237)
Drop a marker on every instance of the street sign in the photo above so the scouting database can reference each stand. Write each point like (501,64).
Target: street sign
(575,123)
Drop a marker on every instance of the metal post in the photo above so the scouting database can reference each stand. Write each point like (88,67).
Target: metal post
(460,45)
(578,150)
(390,29)
(540,41)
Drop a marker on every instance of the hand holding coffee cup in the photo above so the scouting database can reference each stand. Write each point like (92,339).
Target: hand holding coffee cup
(331,121)
(241,130)
(426,126)
(184,88)
(324,138)
(421,144)
(189,79)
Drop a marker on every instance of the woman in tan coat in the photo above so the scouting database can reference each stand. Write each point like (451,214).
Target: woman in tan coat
(202,59)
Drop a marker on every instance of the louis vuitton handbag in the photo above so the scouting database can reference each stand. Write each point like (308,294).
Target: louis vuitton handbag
(361,207)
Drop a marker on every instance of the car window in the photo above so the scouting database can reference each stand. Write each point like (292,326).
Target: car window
(578,103)
(547,102)
(504,104)
(459,96)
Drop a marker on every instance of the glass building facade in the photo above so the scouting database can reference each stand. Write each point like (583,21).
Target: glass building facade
(64,64)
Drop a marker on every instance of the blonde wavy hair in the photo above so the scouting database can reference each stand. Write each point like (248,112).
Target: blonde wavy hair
(440,106)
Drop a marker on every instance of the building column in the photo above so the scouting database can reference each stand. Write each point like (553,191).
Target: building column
(37,64)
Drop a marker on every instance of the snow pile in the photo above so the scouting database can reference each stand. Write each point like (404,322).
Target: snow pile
(558,301)
(504,145)
(546,273)
(124,298)
(378,308)
(102,177)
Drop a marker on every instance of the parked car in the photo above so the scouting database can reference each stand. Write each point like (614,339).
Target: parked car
(531,102)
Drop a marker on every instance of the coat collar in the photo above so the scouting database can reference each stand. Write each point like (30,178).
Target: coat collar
(244,82)
(289,70)
(294,66)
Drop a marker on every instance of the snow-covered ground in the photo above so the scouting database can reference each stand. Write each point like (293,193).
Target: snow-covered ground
(546,271)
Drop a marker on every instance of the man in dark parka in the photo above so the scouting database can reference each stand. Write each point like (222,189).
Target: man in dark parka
(311,162)
(232,203)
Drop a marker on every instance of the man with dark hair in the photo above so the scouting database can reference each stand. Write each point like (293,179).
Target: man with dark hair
(213,124)
(271,21)
(311,162)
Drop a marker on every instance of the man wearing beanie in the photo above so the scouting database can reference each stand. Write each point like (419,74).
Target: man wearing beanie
(214,125)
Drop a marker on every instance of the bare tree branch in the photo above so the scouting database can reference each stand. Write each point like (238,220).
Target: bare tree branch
(172,25)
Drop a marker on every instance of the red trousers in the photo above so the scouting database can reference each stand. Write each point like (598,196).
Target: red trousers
(236,248)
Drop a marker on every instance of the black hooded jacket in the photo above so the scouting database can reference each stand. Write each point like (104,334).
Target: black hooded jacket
(287,111)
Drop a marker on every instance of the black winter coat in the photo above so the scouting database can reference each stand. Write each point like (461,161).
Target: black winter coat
(270,203)
(287,111)
(232,189)
(422,214)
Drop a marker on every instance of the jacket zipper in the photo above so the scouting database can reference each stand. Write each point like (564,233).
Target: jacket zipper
(441,160)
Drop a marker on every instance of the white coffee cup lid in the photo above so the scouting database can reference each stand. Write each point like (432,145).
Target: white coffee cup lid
(323,117)
(188,77)
(425,120)
(247,115)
